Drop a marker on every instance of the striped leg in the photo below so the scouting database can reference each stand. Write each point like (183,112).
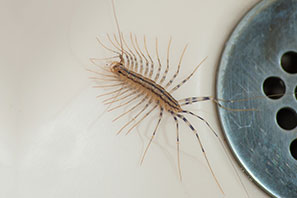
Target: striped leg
(153,135)
(178,68)
(128,102)
(202,149)
(118,47)
(129,58)
(134,59)
(186,79)
(222,145)
(159,61)
(130,110)
(167,65)
(177,146)
(127,55)
(148,54)
(142,119)
(136,116)
(137,52)
(146,60)
(191,100)
(122,98)
(202,119)
(109,93)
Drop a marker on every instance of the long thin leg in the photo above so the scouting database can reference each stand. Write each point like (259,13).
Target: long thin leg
(118,48)
(137,52)
(135,117)
(107,86)
(146,60)
(191,100)
(159,61)
(102,59)
(167,65)
(222,145)
(105,94)
(202,149)
(177,146)
(129,101)
(119,94)
(178,68)
(104,79)
(148,54)
(127,54)
(153,135)
(134,59)
(202,119)
(101,74)
(186,79)
(107,48)
(141,119)
(130,110)
(122,98)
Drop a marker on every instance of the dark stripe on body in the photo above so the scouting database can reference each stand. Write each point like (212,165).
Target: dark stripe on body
(150,85)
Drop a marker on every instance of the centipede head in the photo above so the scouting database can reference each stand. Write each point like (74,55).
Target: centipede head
(115,66)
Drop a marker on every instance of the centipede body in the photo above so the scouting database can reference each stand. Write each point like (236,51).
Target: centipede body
(138,81)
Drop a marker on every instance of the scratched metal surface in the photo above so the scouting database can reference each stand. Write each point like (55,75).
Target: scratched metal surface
(252,54)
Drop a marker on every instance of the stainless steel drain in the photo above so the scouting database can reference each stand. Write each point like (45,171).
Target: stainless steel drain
(260,59)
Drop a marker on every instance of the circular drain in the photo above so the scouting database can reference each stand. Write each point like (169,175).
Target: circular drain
(259,64)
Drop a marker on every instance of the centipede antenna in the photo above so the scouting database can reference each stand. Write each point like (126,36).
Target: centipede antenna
(118,27)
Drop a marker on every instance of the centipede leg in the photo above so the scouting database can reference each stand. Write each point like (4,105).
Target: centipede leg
(151,60)
(202,149)
(191,100)
(136,116)
(186,79)
(178,68)
(146,60)
(119,99)
(222,145)
(130,110)
(128,102)
(137,52)
(159,61)
(141,119)
(177,146)
(167,61)
(153,135)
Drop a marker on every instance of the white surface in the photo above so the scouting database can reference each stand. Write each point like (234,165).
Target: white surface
(56,140)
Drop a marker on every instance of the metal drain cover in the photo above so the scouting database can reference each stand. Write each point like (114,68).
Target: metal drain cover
(260,59)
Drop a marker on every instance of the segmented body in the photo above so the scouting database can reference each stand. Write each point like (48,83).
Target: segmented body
(157,92)
(140,85)
(136,83)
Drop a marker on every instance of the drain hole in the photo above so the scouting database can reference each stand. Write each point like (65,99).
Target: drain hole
(274,87)
(293,149)
(287,118)
(289,62)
